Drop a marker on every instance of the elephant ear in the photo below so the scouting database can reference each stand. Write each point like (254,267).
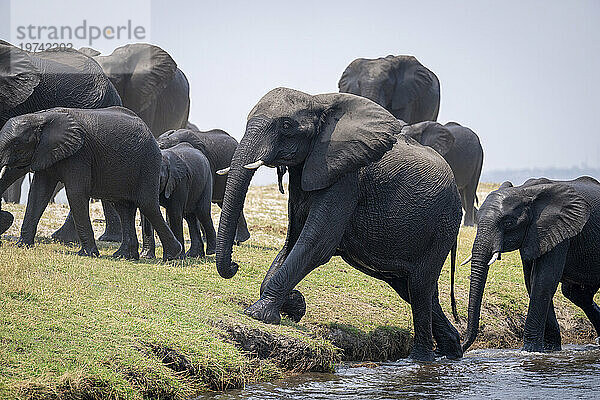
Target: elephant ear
(176,172)
(559,213)
(412,79)
(18,76)
(432,134)
(353,132)
(349,81)
(60,137)
(153,69)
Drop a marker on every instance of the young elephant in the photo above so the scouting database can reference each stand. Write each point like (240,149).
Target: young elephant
(555,225)
(461,149)
(387,205)
(106,153)
(185,191)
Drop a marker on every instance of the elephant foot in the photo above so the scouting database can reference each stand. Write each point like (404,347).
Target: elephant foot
(24,243)
(450,348)
(550,347)
(89,252)
(148,254)
(295,306)
(66,234)
(211,250)
(241,237)
(172,252)
(421,353)
(265,311)
(533,347)
(6,220)
(127,252)
(111,235)
(195,253)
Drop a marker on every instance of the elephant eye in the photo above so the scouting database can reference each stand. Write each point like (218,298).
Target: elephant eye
(287,124)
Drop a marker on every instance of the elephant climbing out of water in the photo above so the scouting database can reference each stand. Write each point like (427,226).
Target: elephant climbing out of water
(400,84)
(555,225)
(461,148)
(354,183)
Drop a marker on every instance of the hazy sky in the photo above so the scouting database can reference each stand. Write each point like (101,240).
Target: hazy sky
(522,74)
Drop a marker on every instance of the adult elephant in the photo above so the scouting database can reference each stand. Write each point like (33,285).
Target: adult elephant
(106,153)
(400,84)
(461,148)
(32,82)
(388,207)
(555,225)
(150,84)
(218,146)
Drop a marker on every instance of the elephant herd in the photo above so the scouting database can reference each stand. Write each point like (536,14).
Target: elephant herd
(373,178)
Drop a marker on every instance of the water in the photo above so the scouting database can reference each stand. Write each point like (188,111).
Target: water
(499,374)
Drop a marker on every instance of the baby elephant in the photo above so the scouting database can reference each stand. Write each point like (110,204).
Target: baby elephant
(106,153)
(186,192)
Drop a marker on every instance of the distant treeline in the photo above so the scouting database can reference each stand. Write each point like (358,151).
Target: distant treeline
(518,176)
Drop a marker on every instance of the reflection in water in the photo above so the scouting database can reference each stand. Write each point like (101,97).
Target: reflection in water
(571,373)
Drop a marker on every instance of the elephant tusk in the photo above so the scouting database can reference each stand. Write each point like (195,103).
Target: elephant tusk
(467,260)
(254,165)
(223,171)
(495,257)
(3,171)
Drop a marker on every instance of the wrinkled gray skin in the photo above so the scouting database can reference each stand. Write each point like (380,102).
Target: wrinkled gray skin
(218,147)
(186,192)
(32,82)
(106,153)
(555,225)
(462,150)
(400,84)
(354,184)
(150,84)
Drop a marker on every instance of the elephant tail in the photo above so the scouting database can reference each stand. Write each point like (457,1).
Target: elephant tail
(452,271)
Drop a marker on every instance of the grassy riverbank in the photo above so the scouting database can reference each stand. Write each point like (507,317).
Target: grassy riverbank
(73,327)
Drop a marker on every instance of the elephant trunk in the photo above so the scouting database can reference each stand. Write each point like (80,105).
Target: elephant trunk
(483,252)
(238,180)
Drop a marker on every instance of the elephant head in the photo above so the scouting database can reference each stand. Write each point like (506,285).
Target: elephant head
(392,82)
(18,76)
(432,134)
(139,72)
(38,140)
(532,218)
(324,136)
(172,172)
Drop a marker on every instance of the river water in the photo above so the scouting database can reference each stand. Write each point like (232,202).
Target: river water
(573,373)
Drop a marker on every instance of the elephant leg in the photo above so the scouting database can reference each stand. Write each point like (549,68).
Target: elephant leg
(467,196)
(39,196)
(66,233)
(148,243)
(445,334)
(421,295)
(79,203)
(197,246)
(583,297)
(112,230)
(205,219)
(175,219)
(58,188)
(171,247)
(552,339)
(13,193)
(546,272)
(129,244)
(320,236)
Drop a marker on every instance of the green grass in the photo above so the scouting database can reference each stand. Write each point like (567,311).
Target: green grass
(103,328)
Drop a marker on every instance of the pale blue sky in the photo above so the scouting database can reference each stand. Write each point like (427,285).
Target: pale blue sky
(522,74)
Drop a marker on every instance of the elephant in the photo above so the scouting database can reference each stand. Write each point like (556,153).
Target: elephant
(150,84)
(31,82)
(186,192)
(357,189)
(106,153)
(462,150)
(400,84)
(555,225)
(218,146)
